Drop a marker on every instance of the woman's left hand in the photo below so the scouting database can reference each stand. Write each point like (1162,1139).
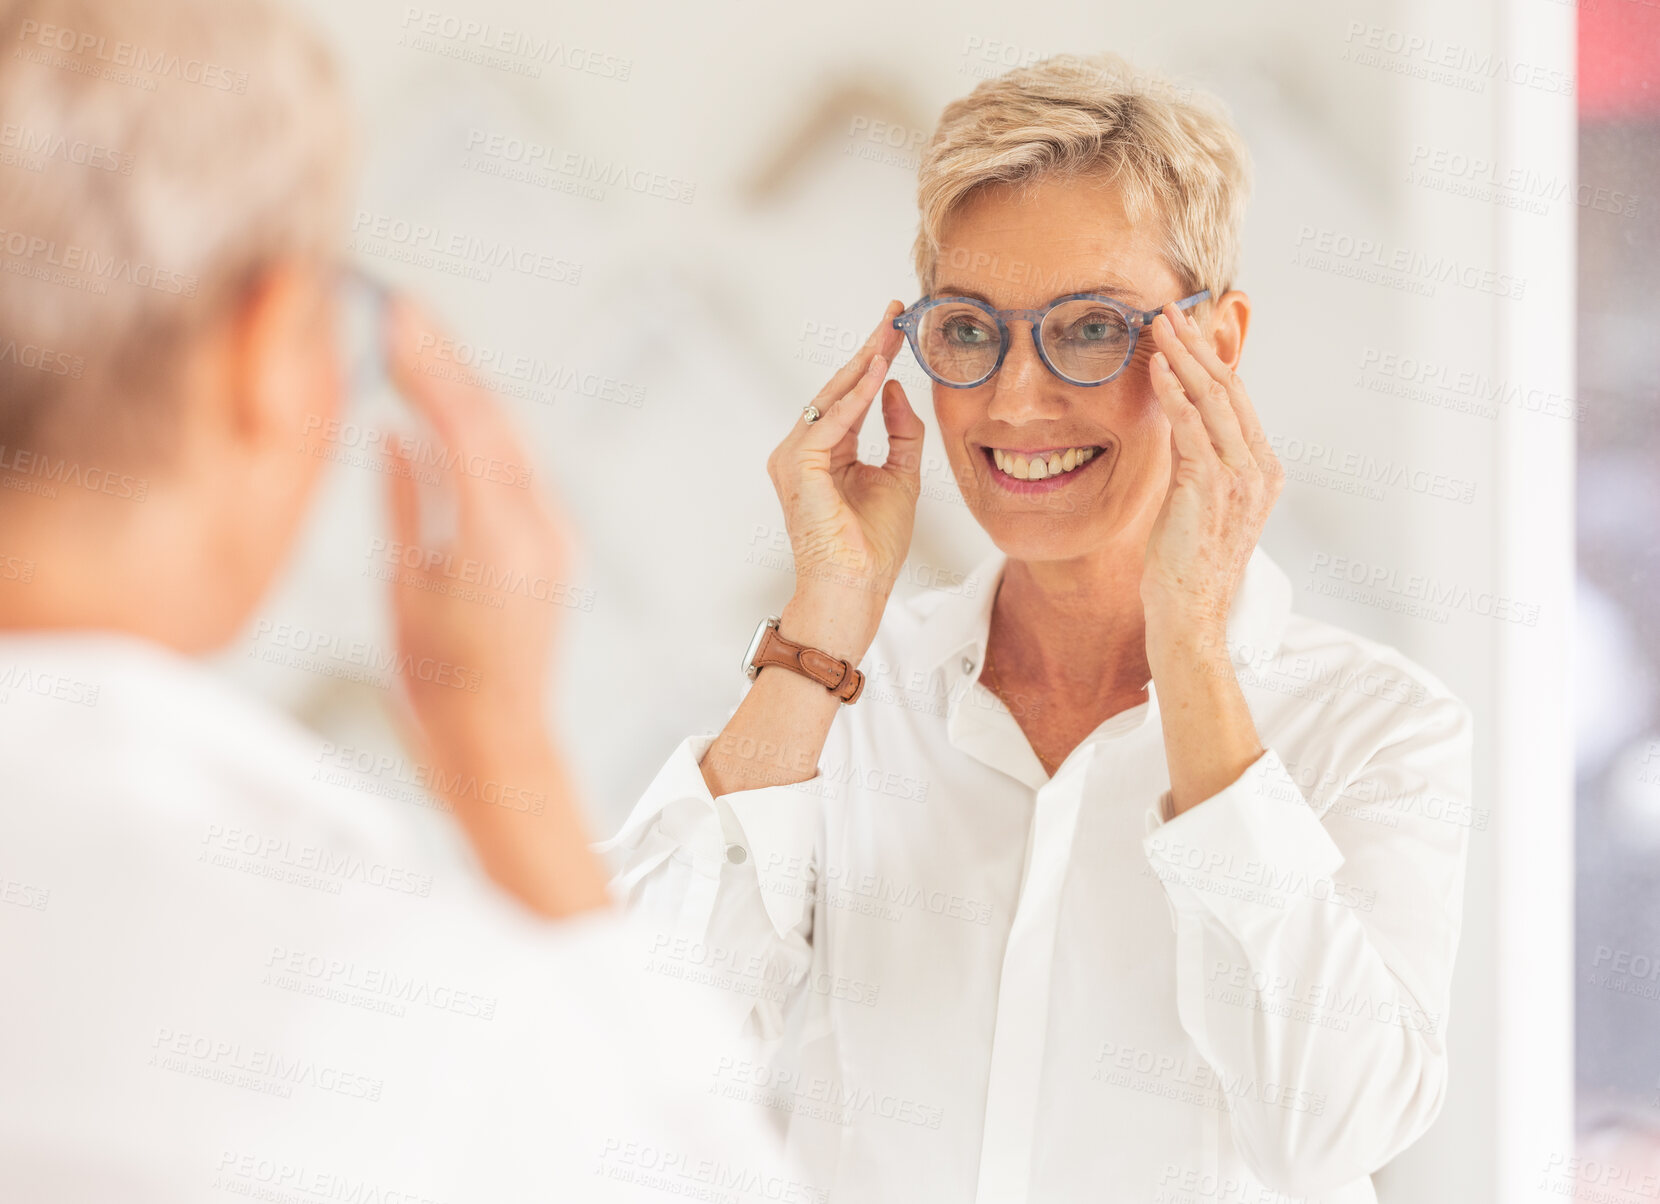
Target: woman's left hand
(1224,480)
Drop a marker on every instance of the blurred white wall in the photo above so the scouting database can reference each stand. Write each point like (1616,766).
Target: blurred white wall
(716,316)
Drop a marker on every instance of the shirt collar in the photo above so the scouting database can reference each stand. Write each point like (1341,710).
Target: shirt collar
(956,628)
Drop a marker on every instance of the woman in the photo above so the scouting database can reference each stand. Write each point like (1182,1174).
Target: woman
(1109,878)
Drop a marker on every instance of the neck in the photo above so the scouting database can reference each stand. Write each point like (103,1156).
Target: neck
(101,563)
(1073,627)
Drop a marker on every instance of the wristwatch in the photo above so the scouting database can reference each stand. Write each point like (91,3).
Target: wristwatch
(831,672)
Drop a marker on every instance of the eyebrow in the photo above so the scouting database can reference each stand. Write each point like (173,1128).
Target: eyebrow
(1108,286)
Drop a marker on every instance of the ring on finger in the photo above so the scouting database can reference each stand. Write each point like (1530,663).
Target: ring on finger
(810,415)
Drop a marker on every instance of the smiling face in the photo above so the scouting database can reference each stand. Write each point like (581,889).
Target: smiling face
(1055,471)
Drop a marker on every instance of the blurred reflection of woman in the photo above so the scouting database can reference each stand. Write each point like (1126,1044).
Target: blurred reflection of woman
(1118,880)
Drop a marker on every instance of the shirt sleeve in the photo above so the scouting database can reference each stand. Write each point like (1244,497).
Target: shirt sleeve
(1315,951)
(726,884)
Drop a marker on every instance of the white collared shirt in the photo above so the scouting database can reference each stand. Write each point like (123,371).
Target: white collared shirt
(975,982)
(230,973)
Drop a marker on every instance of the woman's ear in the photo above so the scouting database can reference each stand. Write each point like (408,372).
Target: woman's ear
(283,354)
(1226,327)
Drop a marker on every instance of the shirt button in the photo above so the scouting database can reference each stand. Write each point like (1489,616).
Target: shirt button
(968,664)
(736,854)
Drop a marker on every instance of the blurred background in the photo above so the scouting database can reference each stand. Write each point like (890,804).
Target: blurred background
(1617,763)
(715,202)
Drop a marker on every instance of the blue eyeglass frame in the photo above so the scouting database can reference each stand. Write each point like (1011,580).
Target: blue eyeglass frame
(363,300)
(1135,319)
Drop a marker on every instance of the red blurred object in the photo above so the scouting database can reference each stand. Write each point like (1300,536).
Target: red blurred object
(1619,60)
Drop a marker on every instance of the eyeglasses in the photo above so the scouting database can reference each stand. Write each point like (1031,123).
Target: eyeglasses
(361,301)
(1083,338)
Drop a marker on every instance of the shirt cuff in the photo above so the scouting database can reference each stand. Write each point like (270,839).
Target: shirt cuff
(773,827)
(1246,854)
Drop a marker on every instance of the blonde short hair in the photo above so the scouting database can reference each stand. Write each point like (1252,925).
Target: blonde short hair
(1170,152)
(154,156)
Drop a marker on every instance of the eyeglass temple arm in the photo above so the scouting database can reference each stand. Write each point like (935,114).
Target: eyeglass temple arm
(1146,316)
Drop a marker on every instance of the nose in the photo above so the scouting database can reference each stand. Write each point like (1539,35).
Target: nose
(1022,390)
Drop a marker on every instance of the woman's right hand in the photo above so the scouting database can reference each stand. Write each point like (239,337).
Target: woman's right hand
(850,527)
(849,522)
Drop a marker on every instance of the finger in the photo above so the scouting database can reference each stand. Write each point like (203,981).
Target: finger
(888,346)
(1193,338)
(480,447)
(847,413)
(1187,426)
(905,432)
(884,340)
(403,497)
(404,509)
(1208,395)
(465,414)
(846,449)
(1179,338)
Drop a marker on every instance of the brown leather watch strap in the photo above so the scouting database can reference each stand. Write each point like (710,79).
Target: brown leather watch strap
(831,672)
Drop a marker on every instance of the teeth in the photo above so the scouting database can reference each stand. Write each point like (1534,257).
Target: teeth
(1038,468)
